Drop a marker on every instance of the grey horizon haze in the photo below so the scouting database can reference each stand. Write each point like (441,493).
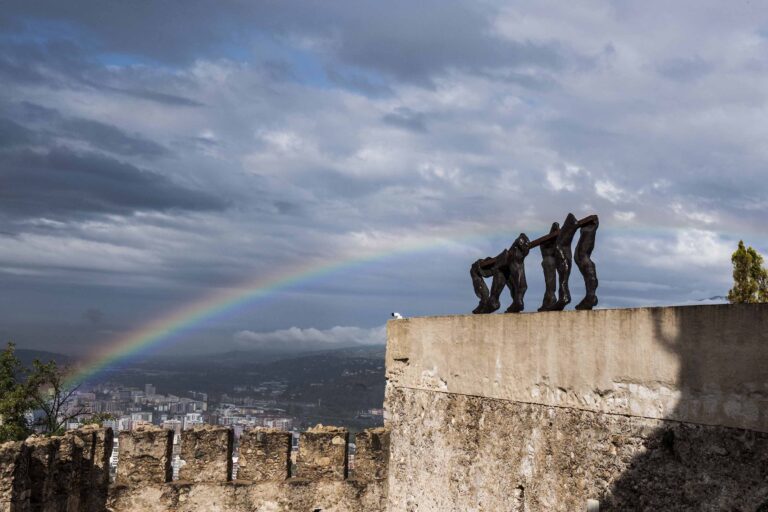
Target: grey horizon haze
(154,154)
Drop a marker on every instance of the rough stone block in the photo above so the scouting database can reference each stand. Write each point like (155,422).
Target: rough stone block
(372,454)
(265,454)
(94,493)
(43,455)
(145,456)
(323,453)
(207,454)
(68,473)
(14,477)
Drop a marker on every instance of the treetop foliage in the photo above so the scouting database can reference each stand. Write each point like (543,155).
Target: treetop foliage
(40,388)
(750,278)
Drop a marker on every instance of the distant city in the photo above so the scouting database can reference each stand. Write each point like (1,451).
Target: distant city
(125,408)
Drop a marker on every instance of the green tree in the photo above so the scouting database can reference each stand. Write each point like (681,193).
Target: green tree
(50,393)
(14,397)
(750,278)
(43,388)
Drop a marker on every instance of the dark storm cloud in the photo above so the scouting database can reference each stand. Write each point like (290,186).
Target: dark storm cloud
(61,183)
(409,41)
(62,63)
(13,134)
(50,124)
(112,139)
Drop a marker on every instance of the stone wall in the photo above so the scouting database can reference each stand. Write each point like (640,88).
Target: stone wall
(71,473)
(264,482)
(635,409)
(609,410)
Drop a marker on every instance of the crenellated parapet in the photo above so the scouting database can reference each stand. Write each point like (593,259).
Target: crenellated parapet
(323,453)
(372,455)
(207,454)
(68,473)
(265,455)
(265,480)
(145,456)
(15,487)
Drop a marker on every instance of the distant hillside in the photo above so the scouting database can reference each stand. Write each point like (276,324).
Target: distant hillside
(26,356)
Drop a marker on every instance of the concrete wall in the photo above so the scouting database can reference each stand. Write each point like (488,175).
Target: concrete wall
(651,408)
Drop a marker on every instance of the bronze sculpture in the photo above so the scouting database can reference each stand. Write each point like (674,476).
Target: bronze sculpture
(508,268)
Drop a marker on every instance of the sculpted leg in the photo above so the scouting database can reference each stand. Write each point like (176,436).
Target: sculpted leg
(564,259)
(516,273)
(549,264)
(586,266)
(488,267)
(481,289)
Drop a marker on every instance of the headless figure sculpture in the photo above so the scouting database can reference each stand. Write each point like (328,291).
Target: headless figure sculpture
(586,266)
(506,269)
(564,259)
(549,264)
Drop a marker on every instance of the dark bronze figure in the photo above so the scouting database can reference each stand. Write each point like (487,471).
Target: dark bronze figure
(549,265)
(516,268)
(586,266)
(564,259)
(508,268)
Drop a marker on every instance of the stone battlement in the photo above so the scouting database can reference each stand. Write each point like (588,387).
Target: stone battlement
(56,474)
(611,410)
(71,473)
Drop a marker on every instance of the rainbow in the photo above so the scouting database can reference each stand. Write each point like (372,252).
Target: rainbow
(167,327)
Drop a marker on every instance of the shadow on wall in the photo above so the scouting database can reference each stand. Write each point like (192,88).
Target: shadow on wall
(694,467)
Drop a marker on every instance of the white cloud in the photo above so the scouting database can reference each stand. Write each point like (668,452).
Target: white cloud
(624,216)
(311,337)
(607,190)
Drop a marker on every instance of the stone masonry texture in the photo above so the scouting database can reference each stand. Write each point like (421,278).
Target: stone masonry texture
(265,454)
(372,454)
(207,454)
(323,453)
(145,456)
(14,477)
(43,472)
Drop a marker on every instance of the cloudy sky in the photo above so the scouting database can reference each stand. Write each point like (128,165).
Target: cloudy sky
(154,153)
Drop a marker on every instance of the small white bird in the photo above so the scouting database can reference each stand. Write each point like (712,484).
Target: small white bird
(397,316)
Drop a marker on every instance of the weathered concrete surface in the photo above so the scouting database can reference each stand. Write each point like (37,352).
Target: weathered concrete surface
(323,453)
(145,456)
(14,477)
(294,495)
(265,454)
(459,453)
(639,409)
(207,454)
(702,364)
